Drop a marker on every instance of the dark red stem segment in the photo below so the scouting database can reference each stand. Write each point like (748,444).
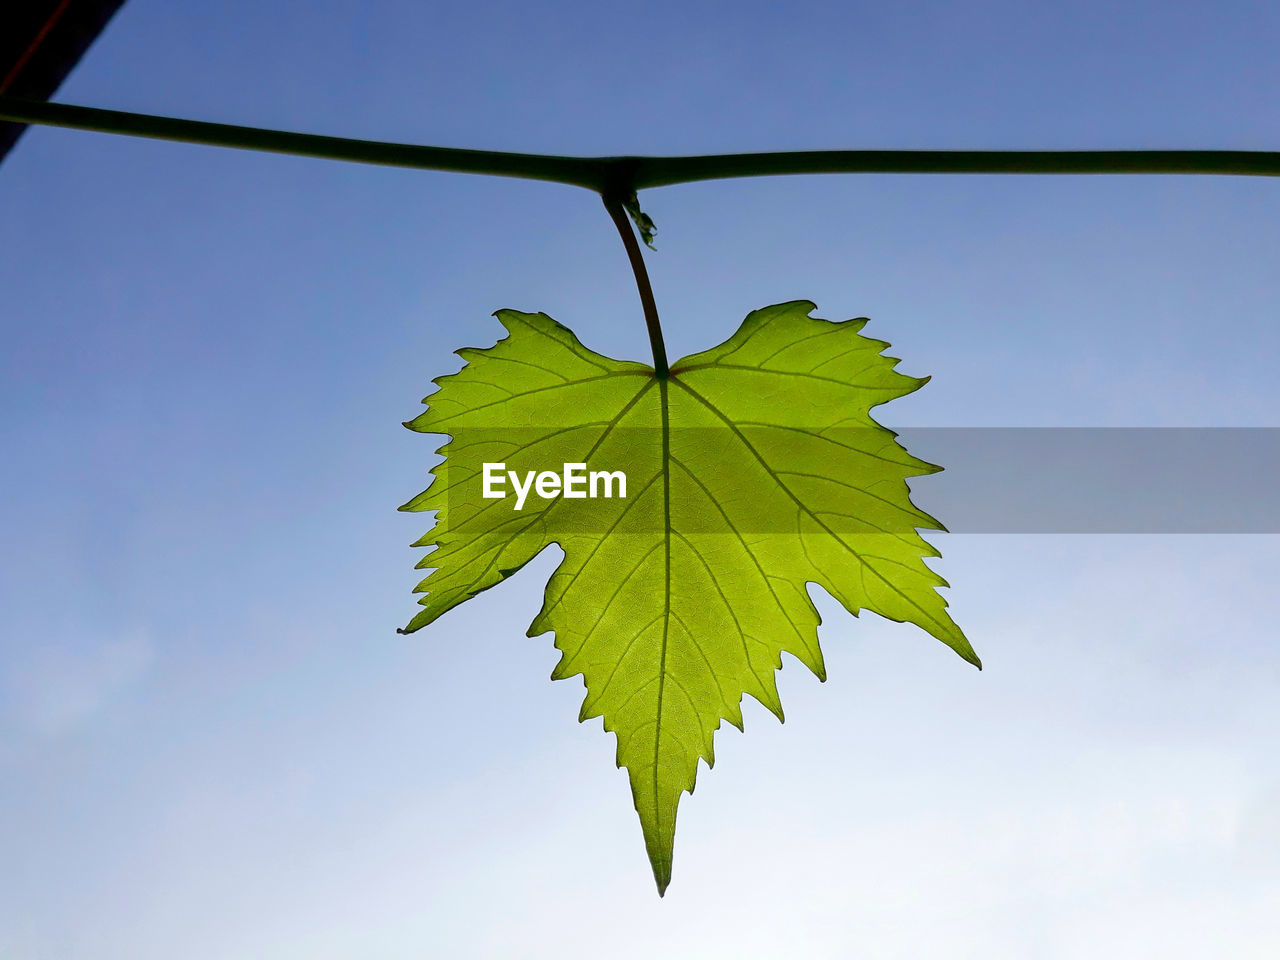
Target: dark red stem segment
(614,206)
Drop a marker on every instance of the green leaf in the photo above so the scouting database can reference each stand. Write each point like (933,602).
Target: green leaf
(641,219)
(753,470)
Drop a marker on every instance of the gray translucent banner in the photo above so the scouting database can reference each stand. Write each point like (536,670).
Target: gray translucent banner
(772,479)
(1100,480)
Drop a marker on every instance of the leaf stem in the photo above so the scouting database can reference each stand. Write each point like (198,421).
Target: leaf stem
(602,173)
(613,204)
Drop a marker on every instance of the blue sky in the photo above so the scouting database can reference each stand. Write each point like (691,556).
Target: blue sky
(214,745)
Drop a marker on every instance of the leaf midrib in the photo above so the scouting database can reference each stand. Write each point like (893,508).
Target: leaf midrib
(666,600)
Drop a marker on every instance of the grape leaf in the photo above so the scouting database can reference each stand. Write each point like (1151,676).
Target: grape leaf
(753,469)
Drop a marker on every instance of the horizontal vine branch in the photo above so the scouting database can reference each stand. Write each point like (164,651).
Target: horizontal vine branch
(626,174)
